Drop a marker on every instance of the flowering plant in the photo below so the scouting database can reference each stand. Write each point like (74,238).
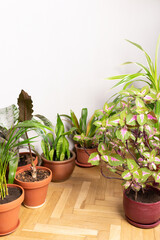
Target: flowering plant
(128,127)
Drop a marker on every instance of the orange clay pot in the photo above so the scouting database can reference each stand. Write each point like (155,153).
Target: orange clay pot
(34,192)
(9,213)
(61,170)
(28,165)
(82,156)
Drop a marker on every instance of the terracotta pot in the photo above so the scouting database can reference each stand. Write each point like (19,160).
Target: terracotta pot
(28,165)
(82,156)
(34,192)
(143,215)
(61,170)
(9,214)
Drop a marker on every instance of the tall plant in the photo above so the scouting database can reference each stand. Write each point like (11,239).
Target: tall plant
(147,74)
(9,156)
(131,146)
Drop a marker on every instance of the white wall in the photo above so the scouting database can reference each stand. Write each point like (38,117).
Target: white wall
(60,51)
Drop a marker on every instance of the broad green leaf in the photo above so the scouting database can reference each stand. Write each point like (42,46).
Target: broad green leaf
(91,128)
(139,103)
(127,175)
(59,127)
(115,160)
(131,119)
(142,119)
(102,148)
(114,120)
(94,159)
(123,134)
(132,165)
(146,173)
(150,97)
(108,107)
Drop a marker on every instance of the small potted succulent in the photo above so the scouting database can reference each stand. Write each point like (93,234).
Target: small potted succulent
(84,136)
(128,127)
(11,195)
(56,154)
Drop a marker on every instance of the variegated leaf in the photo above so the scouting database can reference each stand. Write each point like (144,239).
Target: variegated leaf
(150,97)
(146,173)
(108,107)
(126,175)
(102,148)
(123,134)
(132,165)
(131,119)
(115,160)
(139,103)
(114,120)
(142,119)
(94,158)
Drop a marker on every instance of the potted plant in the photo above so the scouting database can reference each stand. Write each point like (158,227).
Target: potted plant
(11,195)
(146,74)
(84,136)
(56,154)
(128,127)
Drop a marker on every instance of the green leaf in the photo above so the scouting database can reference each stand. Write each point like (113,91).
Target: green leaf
(94,158)
(115,160)
(131,119)
(102,148)
(83,120)
(146,173)
(59,127)
(132,165)
(126,175)
(51,154)
(75,122)
(123,134)
(142,119)
(108,107)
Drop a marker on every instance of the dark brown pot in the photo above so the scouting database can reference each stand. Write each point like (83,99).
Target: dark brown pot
(28,165)
(82,156)
(143,215)
(9,214)
(61,170)
(34,192)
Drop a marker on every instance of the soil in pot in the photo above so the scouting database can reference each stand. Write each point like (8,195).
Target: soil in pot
(13,194)
(26,176)
(148,196)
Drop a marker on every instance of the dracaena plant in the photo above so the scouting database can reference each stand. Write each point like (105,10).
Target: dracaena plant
(147,74)
(128,127)
(84,134)
(55,147)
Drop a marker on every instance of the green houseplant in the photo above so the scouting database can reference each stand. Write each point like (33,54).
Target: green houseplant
(128,127)
(84,136)
(56,154)
(147,74)
(11,195)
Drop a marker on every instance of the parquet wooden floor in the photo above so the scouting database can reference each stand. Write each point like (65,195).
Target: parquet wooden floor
(85,207)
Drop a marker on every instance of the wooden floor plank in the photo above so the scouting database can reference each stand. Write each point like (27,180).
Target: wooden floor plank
(87,206)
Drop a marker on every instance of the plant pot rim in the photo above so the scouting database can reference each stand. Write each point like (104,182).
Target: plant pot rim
(19,200)
(60,162)
(76,146)
(140,203)
(36,184)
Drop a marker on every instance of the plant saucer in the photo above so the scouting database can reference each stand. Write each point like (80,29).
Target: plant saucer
(145,226)
(83,164)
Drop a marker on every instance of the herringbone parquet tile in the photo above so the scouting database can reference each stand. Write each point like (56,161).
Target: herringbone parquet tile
(85,207)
